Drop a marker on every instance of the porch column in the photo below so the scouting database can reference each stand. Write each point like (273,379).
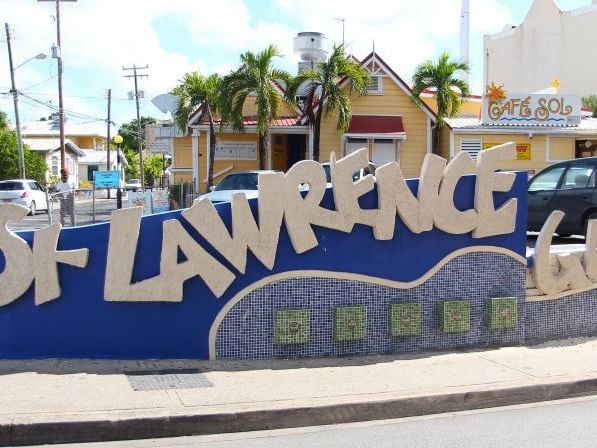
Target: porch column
(195,159)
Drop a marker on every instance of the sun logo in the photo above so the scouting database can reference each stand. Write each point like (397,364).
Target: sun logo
(556,84)
(495,93)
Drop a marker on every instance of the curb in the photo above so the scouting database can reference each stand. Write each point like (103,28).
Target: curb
(187,425)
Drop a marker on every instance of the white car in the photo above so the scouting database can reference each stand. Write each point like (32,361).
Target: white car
(133,185)
(239,182)
(25,192)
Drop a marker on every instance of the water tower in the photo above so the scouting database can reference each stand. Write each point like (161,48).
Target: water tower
(310,47)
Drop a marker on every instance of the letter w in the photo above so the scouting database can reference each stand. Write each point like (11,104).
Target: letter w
(262,239)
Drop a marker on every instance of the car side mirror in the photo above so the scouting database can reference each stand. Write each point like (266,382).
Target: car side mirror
(212,188)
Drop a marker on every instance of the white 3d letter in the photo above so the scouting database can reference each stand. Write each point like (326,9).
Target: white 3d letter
(492,221)
(394,195)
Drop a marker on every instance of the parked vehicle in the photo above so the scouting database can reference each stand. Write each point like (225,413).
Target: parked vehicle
(132,185)
(567,186)
(26,192)
(240,182)
(356,175)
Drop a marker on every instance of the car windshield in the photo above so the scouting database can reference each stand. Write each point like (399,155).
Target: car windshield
(135,181)
(240,181)
(11,186)
(328,174)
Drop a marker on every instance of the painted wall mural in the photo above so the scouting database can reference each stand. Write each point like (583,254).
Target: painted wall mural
(381,264)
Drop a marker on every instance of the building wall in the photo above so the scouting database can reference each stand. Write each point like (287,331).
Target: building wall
(470,107)
(545,150)
(394,101)
(250,108)
(219,165)
(548,45)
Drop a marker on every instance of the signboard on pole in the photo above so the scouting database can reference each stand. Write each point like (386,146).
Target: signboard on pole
(106,179)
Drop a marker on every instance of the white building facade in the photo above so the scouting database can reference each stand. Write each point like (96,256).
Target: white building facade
(550,44)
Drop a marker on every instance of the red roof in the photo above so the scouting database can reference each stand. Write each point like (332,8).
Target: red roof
(376,124)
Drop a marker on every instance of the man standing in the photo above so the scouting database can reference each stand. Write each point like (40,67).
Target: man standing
(66,191)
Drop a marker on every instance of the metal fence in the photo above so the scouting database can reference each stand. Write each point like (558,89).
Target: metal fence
(182,195)
(77,208)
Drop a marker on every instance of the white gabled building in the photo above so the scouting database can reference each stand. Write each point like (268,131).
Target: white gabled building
(550,44)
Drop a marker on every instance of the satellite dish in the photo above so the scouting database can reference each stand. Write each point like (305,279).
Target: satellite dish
(166,102)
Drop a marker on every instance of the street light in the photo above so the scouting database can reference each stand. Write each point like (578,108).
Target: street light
(15,98)
(37,56)
(117,139)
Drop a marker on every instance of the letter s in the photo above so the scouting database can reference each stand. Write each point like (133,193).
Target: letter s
(17,275)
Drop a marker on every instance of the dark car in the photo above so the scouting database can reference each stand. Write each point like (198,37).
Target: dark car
(567,186)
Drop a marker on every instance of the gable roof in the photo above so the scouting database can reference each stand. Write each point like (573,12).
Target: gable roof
(374,57)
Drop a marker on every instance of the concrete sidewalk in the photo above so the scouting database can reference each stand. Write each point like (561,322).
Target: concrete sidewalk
(52,401)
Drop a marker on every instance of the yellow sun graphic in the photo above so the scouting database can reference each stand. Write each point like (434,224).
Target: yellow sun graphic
(495,93)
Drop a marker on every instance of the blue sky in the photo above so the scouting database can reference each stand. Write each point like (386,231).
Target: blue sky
(177,36)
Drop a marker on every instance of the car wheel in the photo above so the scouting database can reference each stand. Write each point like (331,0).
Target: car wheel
(32,208)
(588,218)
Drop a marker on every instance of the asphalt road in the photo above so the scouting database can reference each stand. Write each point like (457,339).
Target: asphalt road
(565,423)
(84,214)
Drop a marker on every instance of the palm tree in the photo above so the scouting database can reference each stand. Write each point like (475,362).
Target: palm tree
(322,87)
(196,90)
(255,77)
(590,101)
(449,90)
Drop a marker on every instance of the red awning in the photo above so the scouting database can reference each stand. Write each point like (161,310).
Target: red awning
(376,124)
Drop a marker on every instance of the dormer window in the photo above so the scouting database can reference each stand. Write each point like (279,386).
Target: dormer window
(376,85)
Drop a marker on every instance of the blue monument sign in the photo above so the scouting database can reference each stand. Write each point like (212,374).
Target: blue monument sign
(106,179)
(379,265)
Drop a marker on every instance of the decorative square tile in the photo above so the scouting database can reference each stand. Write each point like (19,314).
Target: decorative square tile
(292,326)
(405,319)
(502,312)
(455,316)
(351,323)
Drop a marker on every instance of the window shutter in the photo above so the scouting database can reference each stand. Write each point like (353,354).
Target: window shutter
(471,146)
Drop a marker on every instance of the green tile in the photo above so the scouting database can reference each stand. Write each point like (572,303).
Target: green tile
(502,312)
(405,319)
(351,323)
(292,326)
(455,316)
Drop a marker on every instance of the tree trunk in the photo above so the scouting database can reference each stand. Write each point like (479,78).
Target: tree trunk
(263,142)
(435,142)
(212,149)
(317,133)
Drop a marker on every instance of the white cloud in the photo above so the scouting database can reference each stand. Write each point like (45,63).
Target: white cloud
(99,37)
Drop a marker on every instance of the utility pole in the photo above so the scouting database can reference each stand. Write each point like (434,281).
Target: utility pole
(15,98)
(109,122)
(136,75)
(58,56)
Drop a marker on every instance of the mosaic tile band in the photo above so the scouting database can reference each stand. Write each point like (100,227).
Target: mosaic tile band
(249,328)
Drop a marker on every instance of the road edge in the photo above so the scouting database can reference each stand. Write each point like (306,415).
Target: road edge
(81,431)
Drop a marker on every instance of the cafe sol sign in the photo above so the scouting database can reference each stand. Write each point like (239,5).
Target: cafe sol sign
(532,110)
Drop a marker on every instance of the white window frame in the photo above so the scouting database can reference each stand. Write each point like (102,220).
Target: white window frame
(379,89)
(54,165)
(236,150)
(471,145)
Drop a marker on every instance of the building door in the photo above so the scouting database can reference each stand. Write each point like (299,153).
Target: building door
(384,151)
(297,145)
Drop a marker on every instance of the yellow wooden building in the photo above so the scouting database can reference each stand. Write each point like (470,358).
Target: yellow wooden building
(385,120)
